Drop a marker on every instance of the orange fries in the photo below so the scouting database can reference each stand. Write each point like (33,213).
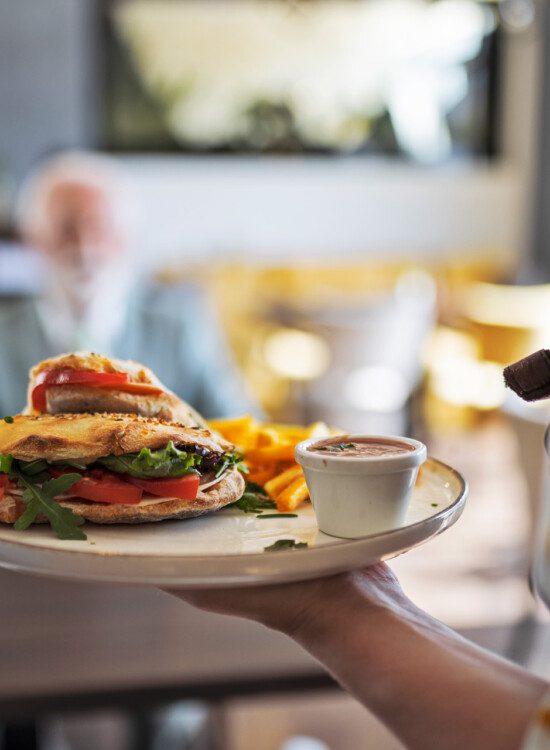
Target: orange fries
(291,497)
(268,449)
(281,481)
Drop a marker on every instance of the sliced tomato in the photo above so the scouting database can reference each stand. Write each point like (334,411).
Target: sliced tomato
(77,377)
(183,488)
(101,486)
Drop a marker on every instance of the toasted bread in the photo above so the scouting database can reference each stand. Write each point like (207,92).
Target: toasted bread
(87,437)
(59,437)
(81,398)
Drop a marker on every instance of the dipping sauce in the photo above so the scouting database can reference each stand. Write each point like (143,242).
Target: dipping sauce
(360,484)
(362,447)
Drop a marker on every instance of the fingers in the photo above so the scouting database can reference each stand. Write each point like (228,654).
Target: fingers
(281,607)
(262,604)
(213,600)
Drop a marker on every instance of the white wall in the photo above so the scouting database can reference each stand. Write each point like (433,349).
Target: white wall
(276,208)
(268,208)
(46,80)
(265,207)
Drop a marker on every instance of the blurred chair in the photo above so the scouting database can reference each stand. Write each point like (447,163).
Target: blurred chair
(373,356)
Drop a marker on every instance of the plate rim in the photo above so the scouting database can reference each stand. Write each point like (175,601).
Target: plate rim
(251,556)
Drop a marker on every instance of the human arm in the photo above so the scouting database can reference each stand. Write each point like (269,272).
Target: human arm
(431,687)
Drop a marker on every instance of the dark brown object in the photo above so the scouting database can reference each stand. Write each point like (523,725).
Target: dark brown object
(530,377)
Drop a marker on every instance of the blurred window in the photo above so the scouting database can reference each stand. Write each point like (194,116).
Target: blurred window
(413,78)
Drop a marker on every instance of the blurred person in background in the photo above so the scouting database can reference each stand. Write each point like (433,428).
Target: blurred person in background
(75,210)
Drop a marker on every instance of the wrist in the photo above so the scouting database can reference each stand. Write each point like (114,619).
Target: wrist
(341,617)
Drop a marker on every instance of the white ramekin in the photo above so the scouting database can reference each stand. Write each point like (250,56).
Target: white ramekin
(355,496)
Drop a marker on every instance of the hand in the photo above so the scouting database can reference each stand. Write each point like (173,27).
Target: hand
(394,658)
(296,608)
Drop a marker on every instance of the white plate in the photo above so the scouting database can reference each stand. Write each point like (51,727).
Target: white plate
(227,548)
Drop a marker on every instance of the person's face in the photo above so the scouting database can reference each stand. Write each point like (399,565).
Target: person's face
(79,233)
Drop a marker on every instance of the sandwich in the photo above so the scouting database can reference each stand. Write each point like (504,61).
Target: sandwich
(111,469)
(91,383)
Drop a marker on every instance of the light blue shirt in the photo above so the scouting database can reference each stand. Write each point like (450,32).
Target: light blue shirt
(171,330)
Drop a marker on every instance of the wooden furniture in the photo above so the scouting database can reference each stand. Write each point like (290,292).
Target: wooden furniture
(70,646)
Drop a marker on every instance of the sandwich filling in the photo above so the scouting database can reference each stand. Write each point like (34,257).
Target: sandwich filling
(146,477)
(88,383)
(93,371)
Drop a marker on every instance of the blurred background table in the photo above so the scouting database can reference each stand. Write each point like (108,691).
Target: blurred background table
(71,646)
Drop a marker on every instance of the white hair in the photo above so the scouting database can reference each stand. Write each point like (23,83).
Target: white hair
(82,167)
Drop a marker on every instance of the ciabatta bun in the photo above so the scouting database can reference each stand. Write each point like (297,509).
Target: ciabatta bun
(58,437)
(78,399)
(87,437)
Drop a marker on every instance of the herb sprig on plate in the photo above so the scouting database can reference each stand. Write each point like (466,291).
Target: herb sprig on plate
(254,500)
(281,544)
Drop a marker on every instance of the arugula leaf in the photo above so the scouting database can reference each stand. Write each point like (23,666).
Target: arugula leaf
(251,502)
(72,463)
(32,468)
(254,487)
(6,460)
(228,460)
(39,499)
(165,462)
(254,499)
(285,544)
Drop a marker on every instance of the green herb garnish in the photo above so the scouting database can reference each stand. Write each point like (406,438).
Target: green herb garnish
(166,462)
(72,463)
(254,499)
(228,460)
(252,502)
(6,460)
(36,471)
(336,447)
(8,419)
(435,505)
(285,544)
(254,487)
(39,500)
(278,515)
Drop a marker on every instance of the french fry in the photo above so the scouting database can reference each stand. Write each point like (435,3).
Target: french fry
(267,436)
(291,497)
(241,431)
(271,454)
(276,485)
(268,449)
(238,424)
(288,432)
(261,475)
